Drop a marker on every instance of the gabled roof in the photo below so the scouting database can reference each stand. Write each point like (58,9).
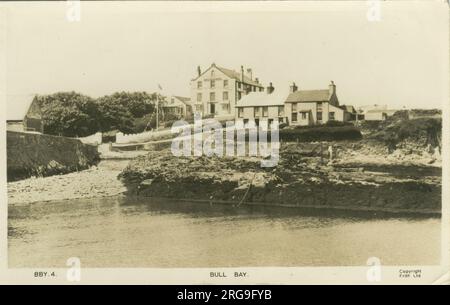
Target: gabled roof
(17,106)
(376,111)
(309,96)
(348,108)
(185,100)
(232,74)
(255,99)
(237,76)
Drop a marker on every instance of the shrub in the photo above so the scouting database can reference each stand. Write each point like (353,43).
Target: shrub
(333,123)
(421,130)
(145,123)
(322,133)
(68,113)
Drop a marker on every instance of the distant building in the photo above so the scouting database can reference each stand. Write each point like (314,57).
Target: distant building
(350,112)
(311,107)
(216,91)
(264,108)
(375,115)
(30,121)
(179,106)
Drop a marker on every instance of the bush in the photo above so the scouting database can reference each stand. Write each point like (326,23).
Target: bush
(322,133)
(72,114)
(145,123)
(421,130)
(68,113)
(337,124)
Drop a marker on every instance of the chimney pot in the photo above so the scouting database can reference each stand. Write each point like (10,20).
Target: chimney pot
(250,73)
(332,88)
(199,70)
(293,87)
(270,88)
(242,73)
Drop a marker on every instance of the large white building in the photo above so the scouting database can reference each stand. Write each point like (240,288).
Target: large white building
(263,108)
(215,91)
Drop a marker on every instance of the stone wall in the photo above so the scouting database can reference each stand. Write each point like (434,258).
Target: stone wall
(31,154)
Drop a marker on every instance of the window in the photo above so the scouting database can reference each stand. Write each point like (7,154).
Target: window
(294,117)
(257,111)
(226,107)
(239,85)
(239,95)
(240,112)
(212,73)
(245,122)
(331,116)
(199,107)
(265,111)
(280,111)
(213,83)
(225,83)
(319,106)
(294,107)
(199,97)
(225,95)
(199,84)
(303,115)
(319,116)
(212,96)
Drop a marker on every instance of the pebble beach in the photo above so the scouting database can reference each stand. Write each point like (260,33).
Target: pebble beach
(95,182)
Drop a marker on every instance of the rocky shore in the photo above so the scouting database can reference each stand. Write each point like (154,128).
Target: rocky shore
(354,180)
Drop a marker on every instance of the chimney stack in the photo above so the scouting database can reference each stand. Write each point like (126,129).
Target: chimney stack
(199,71)
(270,88)
(250,73)
(293,88)
(257,80)
(332,88)
(242,73)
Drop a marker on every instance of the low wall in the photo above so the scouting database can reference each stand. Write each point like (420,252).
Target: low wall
(44,155)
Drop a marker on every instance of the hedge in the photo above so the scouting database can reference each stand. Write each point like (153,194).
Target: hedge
(320,133)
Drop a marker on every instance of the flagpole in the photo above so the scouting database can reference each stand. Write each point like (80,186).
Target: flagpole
(157,111)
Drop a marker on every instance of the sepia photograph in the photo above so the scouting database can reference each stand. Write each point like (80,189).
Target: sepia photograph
(226,135)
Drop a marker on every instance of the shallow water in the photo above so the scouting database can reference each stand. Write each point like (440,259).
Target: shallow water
(136,232)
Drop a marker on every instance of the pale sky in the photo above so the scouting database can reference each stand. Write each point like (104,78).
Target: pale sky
(401,60)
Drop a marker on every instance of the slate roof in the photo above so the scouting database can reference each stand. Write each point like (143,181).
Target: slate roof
(309,96)
(237,76)
(262,99)
(17,106)
(348,108)
(185,100)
